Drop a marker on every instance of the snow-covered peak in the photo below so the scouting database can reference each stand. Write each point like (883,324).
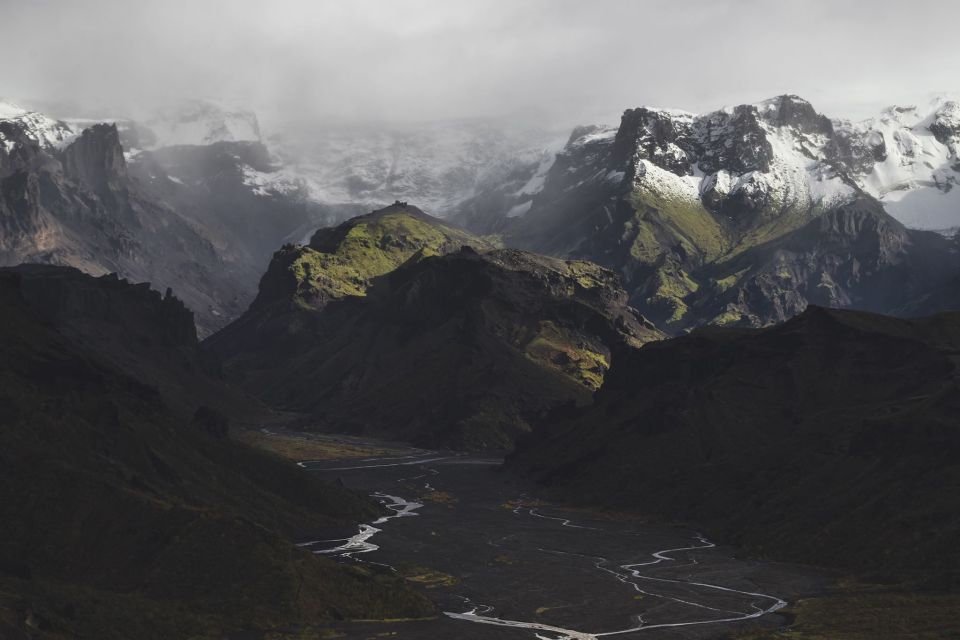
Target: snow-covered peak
(745,158)
(907,157)
(778,154)
(10,110)
(199,122)
(46,131)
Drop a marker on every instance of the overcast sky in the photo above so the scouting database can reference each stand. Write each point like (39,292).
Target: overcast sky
(565,61)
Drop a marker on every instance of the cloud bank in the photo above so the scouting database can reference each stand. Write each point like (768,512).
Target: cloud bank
(412,60)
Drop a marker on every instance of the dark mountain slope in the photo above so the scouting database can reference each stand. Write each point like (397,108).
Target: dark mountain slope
(120,519)
(832,438)
(459,349)
(134,329)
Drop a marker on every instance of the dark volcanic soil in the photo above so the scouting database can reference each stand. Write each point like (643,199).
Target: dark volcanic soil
(515,559)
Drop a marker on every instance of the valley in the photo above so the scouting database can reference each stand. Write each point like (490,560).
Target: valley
(501,563)
(647,345)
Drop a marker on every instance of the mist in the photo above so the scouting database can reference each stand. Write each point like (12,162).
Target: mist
(559,62)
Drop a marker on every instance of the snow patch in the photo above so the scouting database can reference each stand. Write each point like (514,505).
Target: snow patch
(47,132)
(520,209)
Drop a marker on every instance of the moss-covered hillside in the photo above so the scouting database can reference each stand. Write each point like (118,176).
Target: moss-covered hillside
(341,261)
(453,346)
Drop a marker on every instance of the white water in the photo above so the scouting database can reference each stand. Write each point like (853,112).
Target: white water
(628,574)
(360,542)
(478,613)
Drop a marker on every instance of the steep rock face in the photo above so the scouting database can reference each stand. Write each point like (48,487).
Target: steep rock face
(119,517)
(68,199)
(392,324)
(852,256)
(831,439)
(671,199)
(95,159)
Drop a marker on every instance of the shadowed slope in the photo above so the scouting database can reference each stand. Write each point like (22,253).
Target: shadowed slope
(119,518)
(831,438)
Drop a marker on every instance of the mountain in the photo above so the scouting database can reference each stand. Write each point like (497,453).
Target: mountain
(67,198)
(396,324)
(711,218)
(831,438)
(673,200)
(125,510)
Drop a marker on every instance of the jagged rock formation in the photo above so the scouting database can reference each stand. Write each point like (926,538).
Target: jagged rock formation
(119,516)
(672,200)
(831,438)
(67,198)
(386,325)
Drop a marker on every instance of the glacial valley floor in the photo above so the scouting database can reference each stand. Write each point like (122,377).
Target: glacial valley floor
(500,563)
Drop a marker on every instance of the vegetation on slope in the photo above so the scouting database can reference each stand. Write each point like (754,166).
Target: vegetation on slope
(342,261)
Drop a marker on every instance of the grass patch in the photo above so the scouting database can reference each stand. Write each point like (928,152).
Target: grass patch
(299,447)
(440,497)
(368,248)
(426,577)
(554,347)
(666,221)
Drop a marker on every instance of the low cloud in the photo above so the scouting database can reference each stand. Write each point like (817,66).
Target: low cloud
(409,60)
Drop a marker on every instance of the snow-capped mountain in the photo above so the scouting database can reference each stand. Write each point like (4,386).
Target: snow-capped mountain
(674,201)
(781,152)
(47,132)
